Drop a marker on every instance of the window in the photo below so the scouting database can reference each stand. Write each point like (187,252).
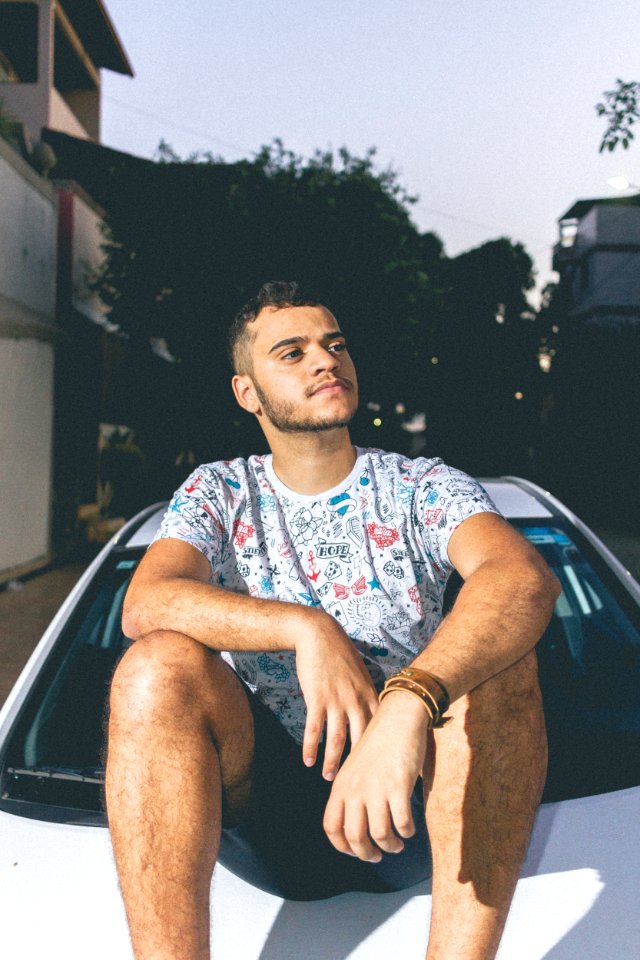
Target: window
(589,660)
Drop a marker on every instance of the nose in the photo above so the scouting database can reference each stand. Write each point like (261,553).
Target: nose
(322,360)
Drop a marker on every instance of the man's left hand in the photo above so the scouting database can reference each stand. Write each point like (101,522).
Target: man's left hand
(369,809)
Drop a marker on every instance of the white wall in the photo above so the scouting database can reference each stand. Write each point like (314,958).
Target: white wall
(26,415)
(28,233)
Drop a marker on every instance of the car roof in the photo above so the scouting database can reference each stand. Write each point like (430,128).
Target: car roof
(516,499)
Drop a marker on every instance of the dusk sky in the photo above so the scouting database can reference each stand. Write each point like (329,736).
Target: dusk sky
(485,109)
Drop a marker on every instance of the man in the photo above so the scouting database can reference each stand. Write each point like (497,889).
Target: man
(322,569)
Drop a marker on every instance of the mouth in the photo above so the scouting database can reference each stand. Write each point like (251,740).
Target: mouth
(332,386)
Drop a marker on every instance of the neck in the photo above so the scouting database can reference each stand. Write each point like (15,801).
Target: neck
(312,462)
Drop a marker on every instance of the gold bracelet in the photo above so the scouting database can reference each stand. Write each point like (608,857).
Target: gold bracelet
(429,689)
(423,697)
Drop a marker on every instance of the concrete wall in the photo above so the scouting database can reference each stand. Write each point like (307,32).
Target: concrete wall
(28,231)
(26,418)
(607,249)
(62,117)
(618,224)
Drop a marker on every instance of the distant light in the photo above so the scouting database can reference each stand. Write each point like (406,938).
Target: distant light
(377,422)
(518,395)
(544,362)
(555,328)
(373,406)
(434,360)
(417,424)
(400,408)
(619,183)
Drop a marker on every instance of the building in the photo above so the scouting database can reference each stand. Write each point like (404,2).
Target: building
(51,323)
(598,259)
(51,55)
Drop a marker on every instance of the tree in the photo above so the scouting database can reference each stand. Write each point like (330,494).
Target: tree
(487,380)
(452,340)
(621,107)
(220,230)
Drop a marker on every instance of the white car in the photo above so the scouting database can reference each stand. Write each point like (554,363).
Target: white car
(577,898)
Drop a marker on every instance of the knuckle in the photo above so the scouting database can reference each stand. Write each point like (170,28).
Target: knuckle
(354,837)
(404,825)
(381,835)
(331,826)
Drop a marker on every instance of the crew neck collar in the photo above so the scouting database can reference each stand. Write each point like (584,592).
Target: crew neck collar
(290,494)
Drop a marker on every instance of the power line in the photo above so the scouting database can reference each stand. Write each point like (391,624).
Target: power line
(492,228)
(178,126)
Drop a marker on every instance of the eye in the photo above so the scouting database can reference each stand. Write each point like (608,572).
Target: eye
(292,354)
(338,347)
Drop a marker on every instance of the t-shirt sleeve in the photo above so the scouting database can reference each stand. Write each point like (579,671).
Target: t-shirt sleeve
(445,497)
(194,516)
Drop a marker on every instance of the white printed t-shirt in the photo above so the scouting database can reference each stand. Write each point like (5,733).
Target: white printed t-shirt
(372,552)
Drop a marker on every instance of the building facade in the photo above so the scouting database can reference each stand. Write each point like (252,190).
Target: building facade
(51,323)
(598,259)
(51,54)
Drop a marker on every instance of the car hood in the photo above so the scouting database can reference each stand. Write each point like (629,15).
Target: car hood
(576,899)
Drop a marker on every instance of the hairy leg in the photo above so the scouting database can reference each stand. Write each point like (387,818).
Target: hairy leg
(484,777)
(180,730)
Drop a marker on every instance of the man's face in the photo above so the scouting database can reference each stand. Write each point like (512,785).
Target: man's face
(302,375)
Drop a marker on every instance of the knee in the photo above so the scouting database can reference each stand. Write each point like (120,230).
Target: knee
(161,671)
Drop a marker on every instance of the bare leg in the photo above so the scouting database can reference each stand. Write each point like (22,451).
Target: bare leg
(483,779)
(180,729)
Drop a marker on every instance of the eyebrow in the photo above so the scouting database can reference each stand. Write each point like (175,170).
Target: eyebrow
(291,340)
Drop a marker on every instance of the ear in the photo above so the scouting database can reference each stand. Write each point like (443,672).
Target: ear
(245,393)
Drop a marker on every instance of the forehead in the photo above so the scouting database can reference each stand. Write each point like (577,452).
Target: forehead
(272,325)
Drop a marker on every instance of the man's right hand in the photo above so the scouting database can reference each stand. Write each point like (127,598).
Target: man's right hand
(337,689)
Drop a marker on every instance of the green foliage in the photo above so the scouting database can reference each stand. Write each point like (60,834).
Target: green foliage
(189,242)
(8,126)
(621,107)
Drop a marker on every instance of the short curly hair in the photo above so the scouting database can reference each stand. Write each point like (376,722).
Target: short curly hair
(277,294)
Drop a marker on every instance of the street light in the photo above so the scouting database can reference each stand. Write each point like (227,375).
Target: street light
(621,183)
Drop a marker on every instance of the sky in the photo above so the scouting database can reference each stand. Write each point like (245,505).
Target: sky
(486,110)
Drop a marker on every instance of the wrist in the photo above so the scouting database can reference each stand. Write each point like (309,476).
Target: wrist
(308,624)
(403,707)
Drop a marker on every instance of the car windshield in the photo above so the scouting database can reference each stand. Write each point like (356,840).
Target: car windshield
(589,658)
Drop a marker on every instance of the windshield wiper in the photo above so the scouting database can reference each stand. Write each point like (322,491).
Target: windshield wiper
(57,773)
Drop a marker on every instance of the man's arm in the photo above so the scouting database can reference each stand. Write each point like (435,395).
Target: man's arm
(500,613)
(170,591)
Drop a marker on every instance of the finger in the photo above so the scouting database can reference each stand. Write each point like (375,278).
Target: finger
(381,829)
(333,824)
(358,723)
(312,732)
(335,740)
(402,816)
(356,831)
